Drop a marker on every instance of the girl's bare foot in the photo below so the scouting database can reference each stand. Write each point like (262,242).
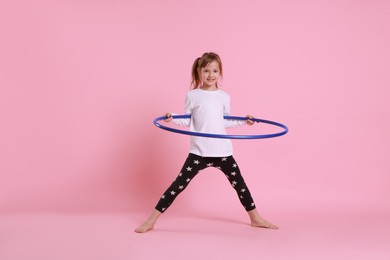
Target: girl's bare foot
(149,223)
(257,221)
(263,224)
(144,227)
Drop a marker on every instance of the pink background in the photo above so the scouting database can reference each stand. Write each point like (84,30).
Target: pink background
(81,82)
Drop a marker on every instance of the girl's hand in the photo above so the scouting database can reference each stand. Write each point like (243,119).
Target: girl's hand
(249,121)
(168,117)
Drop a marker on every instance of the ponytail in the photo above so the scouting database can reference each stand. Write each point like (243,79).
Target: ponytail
(195,74)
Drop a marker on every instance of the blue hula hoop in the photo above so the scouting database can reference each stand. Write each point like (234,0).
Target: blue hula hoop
(257,120)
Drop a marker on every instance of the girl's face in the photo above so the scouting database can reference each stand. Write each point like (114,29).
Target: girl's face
(210,75)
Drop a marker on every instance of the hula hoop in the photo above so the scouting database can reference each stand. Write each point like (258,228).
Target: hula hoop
(257,120)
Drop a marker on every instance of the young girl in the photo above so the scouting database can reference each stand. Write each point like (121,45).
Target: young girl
(207,105)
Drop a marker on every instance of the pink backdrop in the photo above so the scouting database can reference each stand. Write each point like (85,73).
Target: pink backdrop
(81,82)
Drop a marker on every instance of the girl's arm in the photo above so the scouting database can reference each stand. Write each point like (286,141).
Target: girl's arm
(230,123)
(178,121)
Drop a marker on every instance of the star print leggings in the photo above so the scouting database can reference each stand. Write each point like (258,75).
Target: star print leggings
(191,168)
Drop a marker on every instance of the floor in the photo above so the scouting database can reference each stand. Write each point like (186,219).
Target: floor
(321,234)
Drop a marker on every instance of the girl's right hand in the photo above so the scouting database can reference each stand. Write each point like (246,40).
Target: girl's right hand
(168,117)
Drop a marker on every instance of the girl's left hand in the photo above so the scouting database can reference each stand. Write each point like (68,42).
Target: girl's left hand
(249,121)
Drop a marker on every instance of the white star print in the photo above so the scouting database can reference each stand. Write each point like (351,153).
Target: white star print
(163,196)
(224,159)
(196,162)
(252,204)
(180,174)
(233,173)
(234,165)
(243,190)
(241,197)
(163,209)
(188,180)
(209,164)
(181,187)
(173,192)
(234,183)
(189,169)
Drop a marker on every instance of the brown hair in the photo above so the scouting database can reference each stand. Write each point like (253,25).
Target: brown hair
(202,62)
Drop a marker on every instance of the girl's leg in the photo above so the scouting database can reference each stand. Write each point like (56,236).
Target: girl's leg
(231,170)
(190,169)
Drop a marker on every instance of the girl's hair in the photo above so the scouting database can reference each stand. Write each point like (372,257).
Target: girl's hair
(202,62)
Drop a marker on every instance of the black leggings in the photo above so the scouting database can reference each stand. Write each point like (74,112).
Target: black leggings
(193,165)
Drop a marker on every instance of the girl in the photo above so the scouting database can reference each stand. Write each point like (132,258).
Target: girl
(207,105)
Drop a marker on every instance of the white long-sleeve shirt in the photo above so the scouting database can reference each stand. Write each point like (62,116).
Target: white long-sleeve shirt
(207,109)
